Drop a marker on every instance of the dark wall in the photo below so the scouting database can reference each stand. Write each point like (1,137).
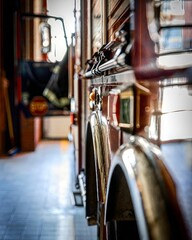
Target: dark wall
(9,39)
(9,8)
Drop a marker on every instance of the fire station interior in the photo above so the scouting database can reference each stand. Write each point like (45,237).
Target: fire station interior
(38,197)
(41,195)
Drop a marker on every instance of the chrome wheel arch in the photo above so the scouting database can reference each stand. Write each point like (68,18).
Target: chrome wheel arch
(91,180)
(96,154)
(135,190)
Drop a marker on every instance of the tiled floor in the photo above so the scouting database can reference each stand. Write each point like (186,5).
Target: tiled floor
(35,196)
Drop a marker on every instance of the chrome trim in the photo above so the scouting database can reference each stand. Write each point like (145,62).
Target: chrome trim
(177,60)
(127,77)
(101,149)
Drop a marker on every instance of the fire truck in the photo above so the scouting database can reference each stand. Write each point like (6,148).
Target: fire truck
(43,62)
(131,112)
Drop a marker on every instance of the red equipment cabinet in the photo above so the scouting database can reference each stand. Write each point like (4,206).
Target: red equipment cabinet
(135,117)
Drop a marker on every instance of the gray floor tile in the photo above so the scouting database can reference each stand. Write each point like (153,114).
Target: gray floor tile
(35,196)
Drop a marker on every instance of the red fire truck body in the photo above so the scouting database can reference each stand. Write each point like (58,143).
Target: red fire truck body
(132,112)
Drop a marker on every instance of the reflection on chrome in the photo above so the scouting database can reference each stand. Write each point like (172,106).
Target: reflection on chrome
(179,60)
(179,126)
(173,81)
(129,160)
(176,98)
(173,117)
(170,29)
